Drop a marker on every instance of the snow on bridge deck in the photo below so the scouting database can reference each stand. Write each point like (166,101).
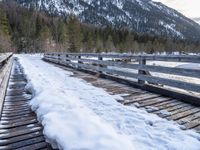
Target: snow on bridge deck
(80,111)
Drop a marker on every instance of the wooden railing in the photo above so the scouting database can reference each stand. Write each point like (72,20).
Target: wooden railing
(5,67)
(122,65)
(4,58)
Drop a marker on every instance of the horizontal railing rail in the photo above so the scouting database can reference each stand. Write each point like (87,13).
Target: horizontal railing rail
(134,67)
(174,58)
(4,57)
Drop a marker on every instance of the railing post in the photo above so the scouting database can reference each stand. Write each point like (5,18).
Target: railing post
(79,62)
(100,58)
(79,57)
(67,58)
(59,58)
(142,61)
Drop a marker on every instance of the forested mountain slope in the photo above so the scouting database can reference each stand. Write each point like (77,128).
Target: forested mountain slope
(26,29)
(143,16)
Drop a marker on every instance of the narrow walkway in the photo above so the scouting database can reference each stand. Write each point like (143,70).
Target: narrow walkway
(19,128)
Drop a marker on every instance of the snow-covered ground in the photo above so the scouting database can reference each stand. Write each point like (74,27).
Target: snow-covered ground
(77,115)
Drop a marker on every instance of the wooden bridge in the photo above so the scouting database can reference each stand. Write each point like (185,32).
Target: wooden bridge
(131,76)
(128,75)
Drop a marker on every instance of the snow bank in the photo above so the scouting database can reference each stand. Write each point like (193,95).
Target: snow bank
(77,115)
(189,66)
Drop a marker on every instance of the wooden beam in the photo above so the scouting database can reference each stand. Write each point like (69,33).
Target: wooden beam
(175,58)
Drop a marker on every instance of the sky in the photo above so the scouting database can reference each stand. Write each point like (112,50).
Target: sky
(190,8)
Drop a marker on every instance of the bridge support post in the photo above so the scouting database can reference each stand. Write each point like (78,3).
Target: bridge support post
(142,61)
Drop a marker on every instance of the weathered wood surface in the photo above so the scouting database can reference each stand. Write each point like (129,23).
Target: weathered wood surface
(136,72)
(19,128)
(160,69)
(4,57)
(176,58)
(186,115)
(4,76)
(152,79)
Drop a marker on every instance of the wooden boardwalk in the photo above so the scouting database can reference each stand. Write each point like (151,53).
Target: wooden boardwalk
(19,128)
(187,115)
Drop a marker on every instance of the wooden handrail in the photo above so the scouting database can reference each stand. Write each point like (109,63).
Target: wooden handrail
(101,63)
(4,57)
(174,58)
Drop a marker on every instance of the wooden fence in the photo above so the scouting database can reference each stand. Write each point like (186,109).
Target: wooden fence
(120,65)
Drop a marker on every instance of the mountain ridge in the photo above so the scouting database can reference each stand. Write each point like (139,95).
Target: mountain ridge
(142,16)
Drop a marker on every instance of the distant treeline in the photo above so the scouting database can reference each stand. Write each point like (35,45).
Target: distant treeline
(27,30)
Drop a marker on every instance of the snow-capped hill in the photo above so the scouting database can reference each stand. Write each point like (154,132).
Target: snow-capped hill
(144,16)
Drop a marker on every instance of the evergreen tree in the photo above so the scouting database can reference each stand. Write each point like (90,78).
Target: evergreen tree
(74,34)
(4,25)
(62,32)
(109,44)
(5,41)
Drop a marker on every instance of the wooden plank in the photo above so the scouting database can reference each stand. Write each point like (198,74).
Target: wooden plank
(20,138)
(189,118)
(118,90)
(133,94)
(178,108)
(162,106)
(192,124)
(34,146)
(184,112)
(17,114)
(153,101)
(16,117)
(168,104)
(140,98)
(15,111)
(125,87)
(20,132)
(26,142)
(18,124)
(171,110)
(14,121)
(103,82)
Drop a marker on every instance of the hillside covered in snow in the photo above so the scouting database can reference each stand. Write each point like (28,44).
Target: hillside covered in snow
(143,16)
